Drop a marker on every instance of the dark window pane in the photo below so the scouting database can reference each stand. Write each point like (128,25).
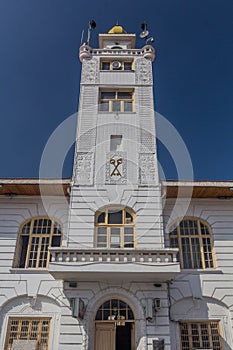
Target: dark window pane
(128,230)
(105,65)
(130,315)
(128,66)
(115,245)
(108,95)
(106,314)
(128,245)
(104,106)
(115,231)
(128,106)
(122,305)
(114,303)
(101,218)
(128,239)
(115,217)
(24,242)
(99,315)
(102,239)
(129,217)
(56,241)
(124,95)
(116,106)
(107,305)
(101,245)
(102,230)
(26,228)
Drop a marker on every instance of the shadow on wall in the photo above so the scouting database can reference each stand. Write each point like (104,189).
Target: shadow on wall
(199,310)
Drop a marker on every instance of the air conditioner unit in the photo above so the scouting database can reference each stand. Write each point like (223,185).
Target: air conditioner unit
(24,345)
(116,65)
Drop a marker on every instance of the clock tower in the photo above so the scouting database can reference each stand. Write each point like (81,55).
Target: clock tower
(115,251)
(115,159)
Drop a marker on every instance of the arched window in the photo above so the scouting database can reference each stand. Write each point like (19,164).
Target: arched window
(193,238)
(114,310)
(35,237)
(115,228)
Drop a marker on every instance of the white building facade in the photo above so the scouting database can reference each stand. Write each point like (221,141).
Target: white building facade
(103,261)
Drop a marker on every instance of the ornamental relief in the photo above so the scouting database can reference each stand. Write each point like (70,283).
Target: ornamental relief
(84,168)
(143,71)
(116,168)
(90,71)
(147,170)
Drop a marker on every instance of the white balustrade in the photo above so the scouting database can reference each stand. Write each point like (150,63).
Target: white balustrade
(99,255)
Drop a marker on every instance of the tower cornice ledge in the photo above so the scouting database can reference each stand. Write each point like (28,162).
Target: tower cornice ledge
(86,52)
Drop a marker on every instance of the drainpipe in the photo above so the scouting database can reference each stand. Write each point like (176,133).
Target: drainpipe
(169,300)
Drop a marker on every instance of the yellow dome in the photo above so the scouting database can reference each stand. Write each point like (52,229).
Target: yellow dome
(117,30)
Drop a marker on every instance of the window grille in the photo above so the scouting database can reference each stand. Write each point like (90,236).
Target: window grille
(194,239)
(26,330)
(116,101)
(35,237)
(200,335)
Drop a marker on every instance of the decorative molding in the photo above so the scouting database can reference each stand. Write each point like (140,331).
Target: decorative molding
(147,169)
(84,168)
(143,71)
(116,168)
(90,71)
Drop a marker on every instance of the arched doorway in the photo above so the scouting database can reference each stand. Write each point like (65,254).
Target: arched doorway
(114,326)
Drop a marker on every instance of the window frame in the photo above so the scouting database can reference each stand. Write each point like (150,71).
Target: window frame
(18,250)
(120,226)
(200,236)
(116,99)
(111,69)
(200,339)
(107,306)
(29,330)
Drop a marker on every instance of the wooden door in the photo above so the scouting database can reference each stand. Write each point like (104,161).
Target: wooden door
(105,336)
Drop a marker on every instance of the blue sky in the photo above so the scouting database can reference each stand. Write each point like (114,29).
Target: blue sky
(193,75)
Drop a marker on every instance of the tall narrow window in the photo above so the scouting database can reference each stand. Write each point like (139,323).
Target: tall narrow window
(27,332)
(115,228)
(194,240)
(200,335)
(116,101)
(35,237)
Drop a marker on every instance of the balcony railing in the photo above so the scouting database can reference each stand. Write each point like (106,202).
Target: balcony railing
(150,256)
(93,264)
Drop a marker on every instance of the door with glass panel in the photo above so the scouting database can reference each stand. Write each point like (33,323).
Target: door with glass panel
(114,326)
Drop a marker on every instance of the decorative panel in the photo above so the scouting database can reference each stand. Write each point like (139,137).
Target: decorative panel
(116,168)
(84,168)
(90,72)
(143,71)
(147,171)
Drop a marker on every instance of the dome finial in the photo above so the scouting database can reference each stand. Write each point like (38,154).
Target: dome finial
(117,29)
